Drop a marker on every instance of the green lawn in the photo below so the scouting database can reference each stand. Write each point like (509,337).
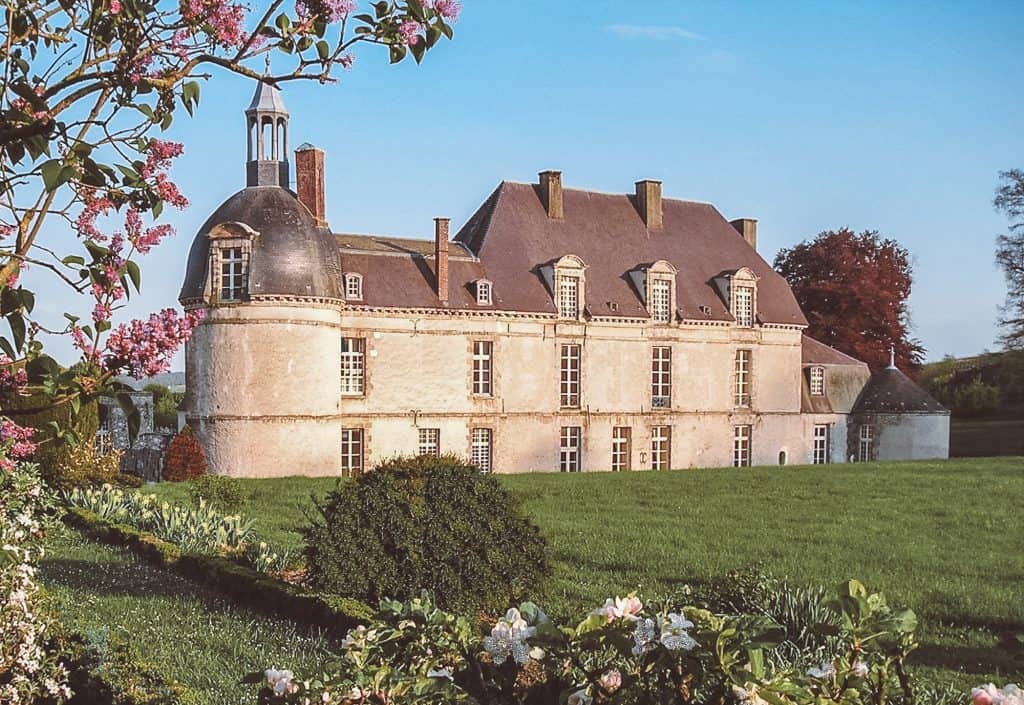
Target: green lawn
(190,634)
(944,538)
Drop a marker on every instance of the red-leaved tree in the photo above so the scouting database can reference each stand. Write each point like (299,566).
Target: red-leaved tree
(853,288)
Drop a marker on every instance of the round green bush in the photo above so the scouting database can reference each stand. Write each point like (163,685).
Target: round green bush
(425,523)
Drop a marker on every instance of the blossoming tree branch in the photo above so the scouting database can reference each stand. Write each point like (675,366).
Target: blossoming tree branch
(86,85)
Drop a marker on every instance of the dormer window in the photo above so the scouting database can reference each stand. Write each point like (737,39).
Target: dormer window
(567,282)
(354,287)
(483,292)
(232,274)
(817,375)
(230,251)
(661,301)
(569,297)
(743,297)
(656,285)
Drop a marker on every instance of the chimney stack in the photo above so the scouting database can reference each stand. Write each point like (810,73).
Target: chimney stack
(441,258)
(551,193)
(309,180)
(648,200)
(747,227)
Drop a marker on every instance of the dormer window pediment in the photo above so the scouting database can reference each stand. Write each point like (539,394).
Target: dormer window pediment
(230,255)
(739,290)
(567,281)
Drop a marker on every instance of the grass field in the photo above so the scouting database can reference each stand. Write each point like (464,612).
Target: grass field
(974,438)
(190,634)
(944,538)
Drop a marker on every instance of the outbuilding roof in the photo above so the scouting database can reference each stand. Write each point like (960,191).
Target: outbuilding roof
(815,352)
(889,391)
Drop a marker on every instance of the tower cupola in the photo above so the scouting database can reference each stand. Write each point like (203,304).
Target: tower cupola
(266,121)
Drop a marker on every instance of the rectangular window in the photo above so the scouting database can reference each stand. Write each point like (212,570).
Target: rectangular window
(480,448)
(232,274)
(569,296)
(741,378)
(661,377)
(661,447)
(353,366)
(430,441)
(817,381)
(661,300)
(820,455)
(744,312)
(483,293)
(569,377)
(353,287)
(867,439)
(621,450)
(741,446)
(482,377)
(570,449)
(351,451)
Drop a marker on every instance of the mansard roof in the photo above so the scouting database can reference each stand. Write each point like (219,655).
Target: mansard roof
(889,391)
(513,237)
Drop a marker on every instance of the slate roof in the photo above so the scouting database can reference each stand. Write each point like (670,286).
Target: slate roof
(815,352)
(290,256)
(513,237)
(891,391)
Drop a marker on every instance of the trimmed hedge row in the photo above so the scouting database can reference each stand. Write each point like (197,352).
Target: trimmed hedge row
(241,583)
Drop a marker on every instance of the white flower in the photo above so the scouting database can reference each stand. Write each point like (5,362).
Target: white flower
(643,636)
(280,681)
(748,695)
(580,697)
(508,638)
(440,673)
(860,669)
(673,633)
(827,670)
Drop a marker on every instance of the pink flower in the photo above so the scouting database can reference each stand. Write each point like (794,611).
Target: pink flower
(611,680)
(12,379)
(115,7)
(222,21)
(144,348)
(331,10)
(16,441)
(101,312)
(448,9)
(409,31)
(985,695)
(7,230)
(346,61)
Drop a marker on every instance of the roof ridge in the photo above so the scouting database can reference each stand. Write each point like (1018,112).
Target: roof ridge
(599,192)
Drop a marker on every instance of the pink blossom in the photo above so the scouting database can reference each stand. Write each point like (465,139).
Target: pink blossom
(448,9)
(611,680)
(346,61)
(222,21)
(6,230)
(16,441)
(168,192)
(331,10)
(409,31)
(94,207)
(12,379)
(115,7)
(79,340)
(101,312)
(144,348)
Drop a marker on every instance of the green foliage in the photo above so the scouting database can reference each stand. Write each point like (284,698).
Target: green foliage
(221,493)
(425,523)
(198,528)
(976,399)
(83,466)
(622,652)
(985,385)
(165,406)
(59,428)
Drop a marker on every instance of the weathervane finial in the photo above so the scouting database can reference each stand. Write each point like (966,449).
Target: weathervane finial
(266,65)
(892,357)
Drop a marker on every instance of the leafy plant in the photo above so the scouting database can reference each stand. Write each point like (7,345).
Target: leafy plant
(184,458)
(221,493)
(425,523)
(197,528)
(84,466)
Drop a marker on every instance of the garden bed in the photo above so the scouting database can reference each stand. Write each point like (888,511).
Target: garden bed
(189,633)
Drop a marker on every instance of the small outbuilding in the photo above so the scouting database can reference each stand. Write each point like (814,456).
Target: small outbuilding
(895,419)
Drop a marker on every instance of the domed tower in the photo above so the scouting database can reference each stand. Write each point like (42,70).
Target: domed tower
(262,377)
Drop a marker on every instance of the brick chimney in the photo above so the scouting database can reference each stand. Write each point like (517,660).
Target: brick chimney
(551,193)
(747,227)
(648,200)
(441,258)
(309,180)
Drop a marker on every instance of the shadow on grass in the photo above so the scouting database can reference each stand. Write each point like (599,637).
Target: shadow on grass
(1002,658)
(110,578)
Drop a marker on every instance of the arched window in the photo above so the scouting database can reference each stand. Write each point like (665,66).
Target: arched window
(743,297)
(354,287)
(484,290)
(266,139)
(282,140)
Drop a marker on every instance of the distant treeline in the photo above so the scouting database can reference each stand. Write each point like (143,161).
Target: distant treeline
(991,384)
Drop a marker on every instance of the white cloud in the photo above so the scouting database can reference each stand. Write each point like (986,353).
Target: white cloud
(653,32)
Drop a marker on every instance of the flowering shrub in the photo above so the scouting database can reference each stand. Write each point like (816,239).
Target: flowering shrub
(199,529)
(83,465)
(184,458)
(27,670)
(622,652)
(425,523)
(991,695)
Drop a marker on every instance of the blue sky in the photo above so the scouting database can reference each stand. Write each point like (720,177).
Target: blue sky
(887,116)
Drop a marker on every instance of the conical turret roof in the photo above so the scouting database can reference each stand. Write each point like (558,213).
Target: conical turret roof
(267,99)
(889,391)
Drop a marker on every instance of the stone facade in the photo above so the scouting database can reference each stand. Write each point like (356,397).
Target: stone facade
(325,353)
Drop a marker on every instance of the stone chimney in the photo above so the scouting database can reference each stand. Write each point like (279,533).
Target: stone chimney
(648,201)
(747,227)
(551,193)
(309,180)
(441,258)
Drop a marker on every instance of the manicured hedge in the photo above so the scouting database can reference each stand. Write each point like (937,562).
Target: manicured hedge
(243,584)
